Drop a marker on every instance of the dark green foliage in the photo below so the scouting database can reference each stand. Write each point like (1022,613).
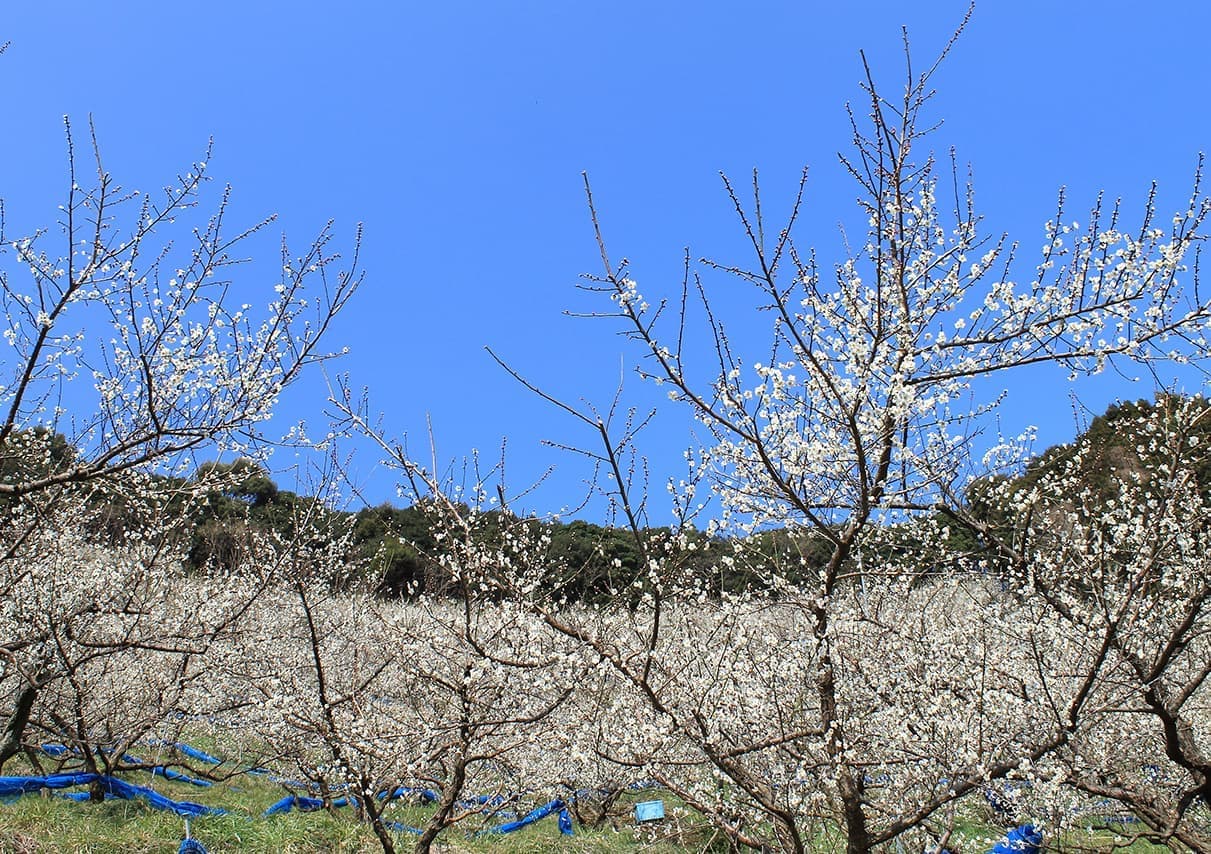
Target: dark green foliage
(248,507)
(1127,444)
(1134,452)
(394,541)
(590,563)
(250,484)
(110,509)
(393,550)
(796,555)
(28,455)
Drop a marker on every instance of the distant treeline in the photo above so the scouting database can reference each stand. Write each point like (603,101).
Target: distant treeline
(394,549)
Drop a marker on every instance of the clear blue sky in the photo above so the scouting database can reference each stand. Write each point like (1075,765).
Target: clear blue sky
(457,132)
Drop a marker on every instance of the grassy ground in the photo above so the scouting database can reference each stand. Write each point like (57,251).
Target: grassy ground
(47,823)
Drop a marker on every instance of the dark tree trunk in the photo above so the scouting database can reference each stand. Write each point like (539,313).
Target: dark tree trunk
(857,834)
(451,792)
(14,727)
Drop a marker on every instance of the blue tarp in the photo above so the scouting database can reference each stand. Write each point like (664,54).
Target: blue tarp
(302,804)
(187,750)
(1003,799)
(488,803)
(194,753)
(305,804)
(427,796)
(112,786)
(537,814)
(120,789)
(127,791)
(403,828)
(170,774)
(59,750)
(25,785)
(1026,839)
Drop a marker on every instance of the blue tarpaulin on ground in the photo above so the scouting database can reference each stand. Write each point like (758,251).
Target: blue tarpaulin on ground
(305,804)
(488,802)
(427,796)
(128,791)
(25,785)
(112,786)
(302,804)
(403,828)
(169,774)
(187,750)
(1026,839)
(59,750)
(1003,798)
(120,789)
(537,814)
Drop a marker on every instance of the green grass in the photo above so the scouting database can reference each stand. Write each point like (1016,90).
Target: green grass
(46,823)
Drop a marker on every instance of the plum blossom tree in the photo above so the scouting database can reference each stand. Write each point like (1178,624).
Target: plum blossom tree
(1128,570)
(442,699)
(131,347)
(862,429)
(108,644)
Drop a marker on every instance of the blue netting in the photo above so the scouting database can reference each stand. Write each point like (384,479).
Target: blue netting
(170,774)
(403,828)
(187,750)
(25,785)
(302,804)
(305,804)
(112,786)
(121,790)
(1002,797)
(58,751)
(537,814)
(1026,839)
(192,846)
(194,753)
(427,796)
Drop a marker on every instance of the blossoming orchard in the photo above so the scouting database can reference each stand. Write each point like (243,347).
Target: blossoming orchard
(900,632)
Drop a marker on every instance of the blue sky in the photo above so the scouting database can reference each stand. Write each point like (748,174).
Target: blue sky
(457,132)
